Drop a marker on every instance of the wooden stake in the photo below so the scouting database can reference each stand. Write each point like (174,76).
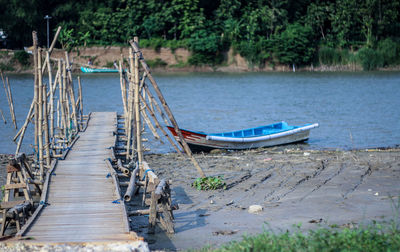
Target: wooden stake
(153,100)
(132,185)
(167,109)
(51,86)
(23,128)
(36,88)
(159,126)
(150,125)
(137,110)
(40,117)
(128,131)
(80,100)
(46,128)
(2,115)
(123,89)
(72,93)
(11,103)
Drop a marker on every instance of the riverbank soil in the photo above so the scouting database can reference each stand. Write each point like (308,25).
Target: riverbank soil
(294,186)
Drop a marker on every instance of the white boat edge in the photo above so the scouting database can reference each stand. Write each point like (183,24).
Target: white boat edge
(262,138)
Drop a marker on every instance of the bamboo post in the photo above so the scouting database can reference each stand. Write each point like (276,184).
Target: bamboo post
(23,128)
(139,148)
(159,126)
(36,87)
(2,115)
(53,43)
(80,100)
(150,125)
(71,91)
(46,128)
(153,100)
(123,89)
(51,95)
(128,131)
(50,50)
(167,109)
(63,102)
(40,117)
(132,185)
(9,99)
(11,103)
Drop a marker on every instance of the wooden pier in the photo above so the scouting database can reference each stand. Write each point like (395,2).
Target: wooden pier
(83,203)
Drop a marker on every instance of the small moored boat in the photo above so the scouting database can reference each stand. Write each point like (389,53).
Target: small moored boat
(264,136)
(98,70)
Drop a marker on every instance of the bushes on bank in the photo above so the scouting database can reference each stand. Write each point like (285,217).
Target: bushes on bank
(371,238)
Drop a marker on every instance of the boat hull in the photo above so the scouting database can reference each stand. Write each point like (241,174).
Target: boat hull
(98,70)
(203,142)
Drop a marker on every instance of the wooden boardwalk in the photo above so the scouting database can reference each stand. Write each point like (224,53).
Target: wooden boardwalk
(82,194)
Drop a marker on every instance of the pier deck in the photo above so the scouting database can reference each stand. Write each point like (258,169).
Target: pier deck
(81,192)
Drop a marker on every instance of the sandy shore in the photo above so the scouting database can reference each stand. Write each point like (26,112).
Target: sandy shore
(294,186)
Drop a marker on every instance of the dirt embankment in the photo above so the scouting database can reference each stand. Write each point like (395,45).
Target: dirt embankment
(164,60)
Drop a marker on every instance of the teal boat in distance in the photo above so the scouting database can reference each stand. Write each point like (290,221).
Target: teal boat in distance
(98,70)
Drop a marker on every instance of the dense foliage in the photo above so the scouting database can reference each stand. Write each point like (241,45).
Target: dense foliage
(278,31)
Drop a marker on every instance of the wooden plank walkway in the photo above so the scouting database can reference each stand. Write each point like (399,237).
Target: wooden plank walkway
(81,192)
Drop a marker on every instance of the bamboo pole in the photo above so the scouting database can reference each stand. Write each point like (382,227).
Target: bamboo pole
(130,108)
(139,147)
(36,88)
(123,89)
(11,107)
(23,128)
(11,103)
(40,117)
(2,115)
(159,126)
(167,109)
(46,128)
(50,50)
(51,94)
(150,125)
(63,102)
(132,185)
(72,93)
(80,100)
(151,97)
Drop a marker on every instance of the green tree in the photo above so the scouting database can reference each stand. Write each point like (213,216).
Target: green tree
(295,45)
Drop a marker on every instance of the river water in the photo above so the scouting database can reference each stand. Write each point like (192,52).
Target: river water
(354,110)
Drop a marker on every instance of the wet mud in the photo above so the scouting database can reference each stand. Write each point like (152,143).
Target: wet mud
(294,186)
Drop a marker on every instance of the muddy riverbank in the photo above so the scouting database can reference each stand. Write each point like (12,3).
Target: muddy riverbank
(294,186)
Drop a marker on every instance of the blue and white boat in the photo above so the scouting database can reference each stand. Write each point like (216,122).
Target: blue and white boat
(264,136)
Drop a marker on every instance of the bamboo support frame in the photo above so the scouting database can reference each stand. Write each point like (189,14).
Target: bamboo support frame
(135,46)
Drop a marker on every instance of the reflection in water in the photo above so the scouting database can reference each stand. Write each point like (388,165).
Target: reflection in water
(354,110)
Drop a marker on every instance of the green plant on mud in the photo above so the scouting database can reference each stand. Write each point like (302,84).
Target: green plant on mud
(209,183)
(366,238)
